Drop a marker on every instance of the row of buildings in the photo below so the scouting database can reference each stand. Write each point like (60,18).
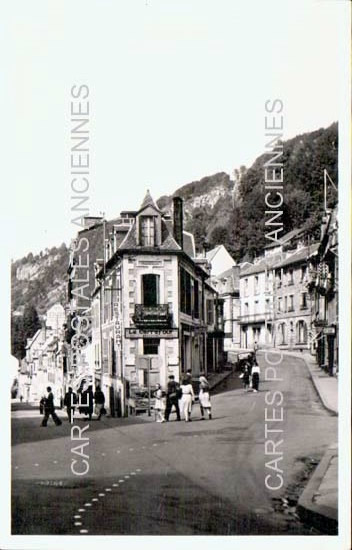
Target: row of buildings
(152,306)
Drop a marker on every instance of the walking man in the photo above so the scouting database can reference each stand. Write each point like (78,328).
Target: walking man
(99,399)
(49,409)
(70,401)
(172,396)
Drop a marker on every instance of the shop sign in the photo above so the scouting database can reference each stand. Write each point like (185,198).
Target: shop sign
(151,333)
(329,331)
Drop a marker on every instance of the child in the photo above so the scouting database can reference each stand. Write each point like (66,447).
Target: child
(159,406)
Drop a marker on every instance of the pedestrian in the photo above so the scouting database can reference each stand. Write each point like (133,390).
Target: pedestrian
(246,377)
(188,378)
(159,406)
(87,402)
(49,409)
(255,347)
(255,376)
(187,398)
(41,404)
(70,401)
(99,399)
(21,398)
(204,397)
(172,397)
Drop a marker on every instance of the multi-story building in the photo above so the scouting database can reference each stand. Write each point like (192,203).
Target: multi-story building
(227,285)
(257,302)
(153,311)
(45,361)
(292,304)
(323,287)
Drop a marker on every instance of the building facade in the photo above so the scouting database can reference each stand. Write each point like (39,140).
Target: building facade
(323,288)
(153,311)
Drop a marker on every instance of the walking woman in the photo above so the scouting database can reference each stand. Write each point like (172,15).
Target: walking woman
(159,406)
(204,397)
(255,376)
(187,398)
(246,378)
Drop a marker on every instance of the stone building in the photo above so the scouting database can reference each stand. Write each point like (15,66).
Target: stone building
(323,287)
(292,304)
(153,311)
(227,284)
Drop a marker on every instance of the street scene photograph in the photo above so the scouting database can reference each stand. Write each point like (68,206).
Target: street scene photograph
(177,292)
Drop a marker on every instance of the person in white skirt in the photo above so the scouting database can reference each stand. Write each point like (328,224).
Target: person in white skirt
(187,398)
(159,406)
(204,397)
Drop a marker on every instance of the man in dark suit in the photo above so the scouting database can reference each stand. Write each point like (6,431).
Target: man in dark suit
(172,398)
(70,402)
(49,409)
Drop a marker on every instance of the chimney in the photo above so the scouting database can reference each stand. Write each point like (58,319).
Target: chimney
(178,220)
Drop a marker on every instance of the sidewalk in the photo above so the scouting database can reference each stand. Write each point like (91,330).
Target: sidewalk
(318,504)
(325,385)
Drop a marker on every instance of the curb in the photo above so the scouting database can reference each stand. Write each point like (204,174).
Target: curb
(316,387)
(324,518)
(212,386)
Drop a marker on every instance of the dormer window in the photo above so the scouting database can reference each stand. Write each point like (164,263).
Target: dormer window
(147,231)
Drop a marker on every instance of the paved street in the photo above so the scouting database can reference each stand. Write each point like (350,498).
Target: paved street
(204,477)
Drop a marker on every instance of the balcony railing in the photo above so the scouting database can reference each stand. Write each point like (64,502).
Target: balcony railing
(255,318)
(152,316)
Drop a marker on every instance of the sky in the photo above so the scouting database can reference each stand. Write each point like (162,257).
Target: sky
(177,92)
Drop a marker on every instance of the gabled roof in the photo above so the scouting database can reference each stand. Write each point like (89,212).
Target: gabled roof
(285,238)
(265,263)
(299,255)
(148,201)
(210,255)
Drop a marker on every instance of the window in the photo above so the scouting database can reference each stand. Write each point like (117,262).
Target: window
(151,346)
(303,272)
(290,303)
(267,305)
(150,290)
(256,284)
(147,231)
(304,304)
(210,312)
(196,299)
(301,333)
(279,304)
(290,277)
(278,278)
(246,287)
(186,292)
(246,308)
(285,304)
(256,306)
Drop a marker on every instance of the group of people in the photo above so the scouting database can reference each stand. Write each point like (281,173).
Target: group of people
(182,397)
(251,375)
(71,402)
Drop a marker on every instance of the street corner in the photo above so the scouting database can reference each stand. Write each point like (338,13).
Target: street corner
(318,504)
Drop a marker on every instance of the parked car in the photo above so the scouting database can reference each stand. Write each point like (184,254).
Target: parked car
(238,357)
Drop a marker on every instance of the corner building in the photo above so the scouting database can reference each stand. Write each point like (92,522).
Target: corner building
(153,311)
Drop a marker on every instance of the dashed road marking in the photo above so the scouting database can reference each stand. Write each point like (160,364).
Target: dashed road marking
(88,504)
(36,464)
(83,531)
(81,509)
(95,499)
(133,473)
(138,470)
(55,461)
(77,516)
(101,494)
(127,477)
(121,480)
(115,484)
(78,523)
(108,489)
(131,449)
